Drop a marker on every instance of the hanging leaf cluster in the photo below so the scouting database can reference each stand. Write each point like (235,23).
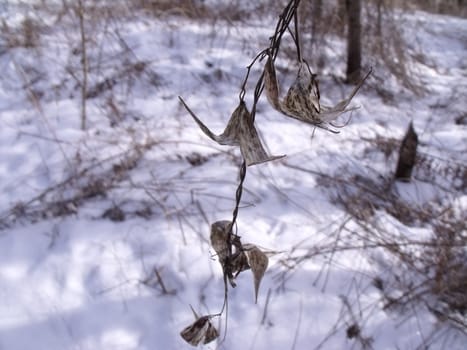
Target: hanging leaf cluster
(302,102)
(236,257)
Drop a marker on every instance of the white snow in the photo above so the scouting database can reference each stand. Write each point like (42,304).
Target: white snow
(75,281)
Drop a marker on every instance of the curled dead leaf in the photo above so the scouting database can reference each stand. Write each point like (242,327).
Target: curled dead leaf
(230,135)
(302,101)
(240,131)
(232,264)
(219,239)
(271,85)
(211,334)
(258,262)
(250,144)
(239,263)
(200,331)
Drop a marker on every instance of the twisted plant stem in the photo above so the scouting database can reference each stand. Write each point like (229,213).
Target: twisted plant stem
(228,275)
(289,13)
(231,236)
(238,193)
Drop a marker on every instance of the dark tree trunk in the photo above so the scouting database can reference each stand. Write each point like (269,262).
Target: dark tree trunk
(354,44)
(316,14)
(341,15)
(407,155)
(379,18)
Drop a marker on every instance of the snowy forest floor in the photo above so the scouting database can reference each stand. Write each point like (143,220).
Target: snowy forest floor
(104,240)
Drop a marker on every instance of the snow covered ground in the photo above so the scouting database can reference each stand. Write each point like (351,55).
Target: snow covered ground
(104,240)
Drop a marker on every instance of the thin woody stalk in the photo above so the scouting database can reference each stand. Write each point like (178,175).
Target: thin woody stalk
(84,63)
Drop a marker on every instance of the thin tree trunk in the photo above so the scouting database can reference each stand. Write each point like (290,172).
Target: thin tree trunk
(316,17)
(379,18)
(407,155)
(341,15)
(354,44)
(84,63)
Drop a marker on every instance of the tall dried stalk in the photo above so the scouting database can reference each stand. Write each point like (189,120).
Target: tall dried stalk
(80,10)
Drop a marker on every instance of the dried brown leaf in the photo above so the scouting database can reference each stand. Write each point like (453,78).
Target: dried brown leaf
(302,101)
(270,84)
(258,262)
(211,334)
(250,144)
(240,131)
(230,135)
(239,263)
(219,237)
(195,333)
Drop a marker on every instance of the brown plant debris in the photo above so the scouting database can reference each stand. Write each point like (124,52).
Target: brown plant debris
(236,257)
(229,250)
(302,101)
(200,332)
(258,262)
(240,131)
(407,155)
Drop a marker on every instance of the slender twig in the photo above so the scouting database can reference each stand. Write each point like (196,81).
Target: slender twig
(233,240)
(84,63)
(289,13)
